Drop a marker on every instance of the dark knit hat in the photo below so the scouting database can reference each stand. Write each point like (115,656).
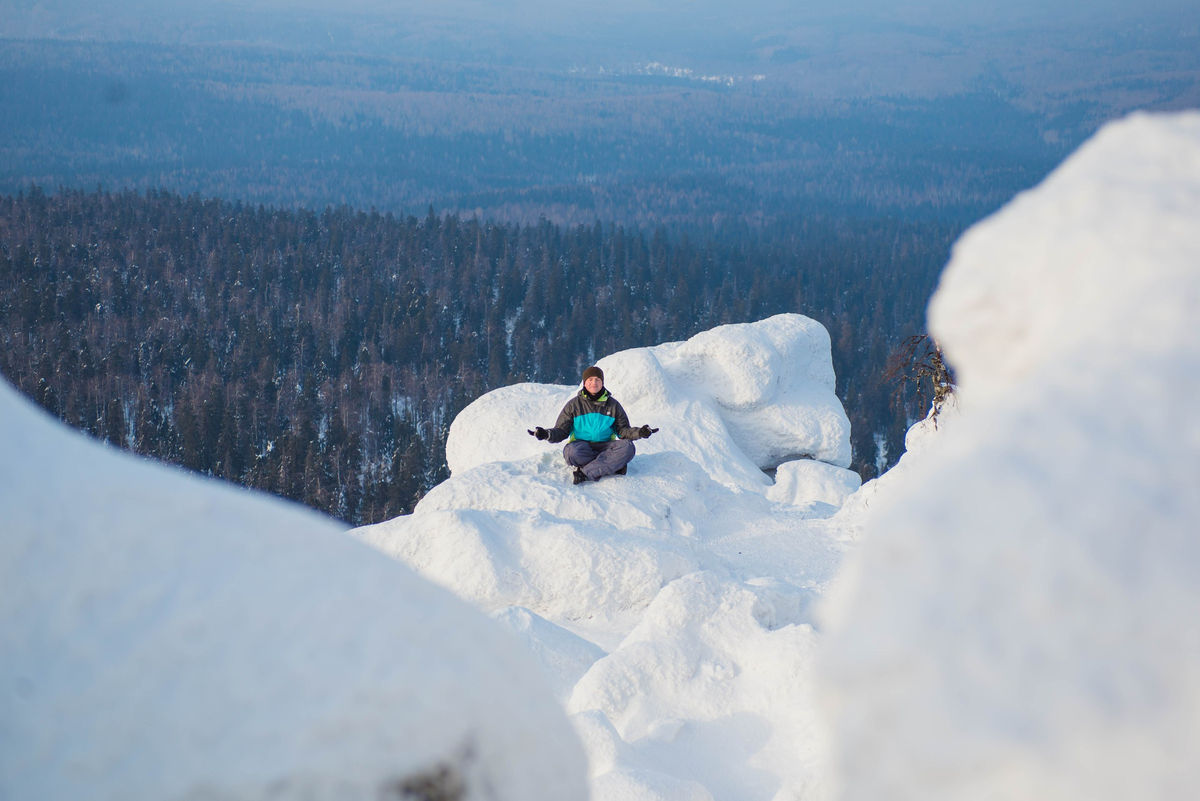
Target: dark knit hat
(593,371)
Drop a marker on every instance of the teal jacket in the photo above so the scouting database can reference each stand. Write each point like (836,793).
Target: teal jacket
(598,420)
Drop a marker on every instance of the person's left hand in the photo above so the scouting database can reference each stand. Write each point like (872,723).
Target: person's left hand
(645,431)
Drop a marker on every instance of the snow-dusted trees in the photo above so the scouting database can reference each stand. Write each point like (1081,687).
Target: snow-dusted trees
(321,356)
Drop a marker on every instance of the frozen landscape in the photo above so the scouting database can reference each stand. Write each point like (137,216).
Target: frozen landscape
(672,607)
(1012,612)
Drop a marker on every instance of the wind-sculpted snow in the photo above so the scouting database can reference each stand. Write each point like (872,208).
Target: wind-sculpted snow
(671,608)
(736,400)
(807,481)
(1023,618)
(710,685)
(166,637)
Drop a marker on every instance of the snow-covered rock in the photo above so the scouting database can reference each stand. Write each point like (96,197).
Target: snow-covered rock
(1023,618)
(736,400)
(671,608)
(167,637)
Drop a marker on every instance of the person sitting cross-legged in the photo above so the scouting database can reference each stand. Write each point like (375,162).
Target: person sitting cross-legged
(601,439)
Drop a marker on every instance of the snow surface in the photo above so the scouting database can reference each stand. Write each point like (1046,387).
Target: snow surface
(166,637)
(1021,618)
(671,608)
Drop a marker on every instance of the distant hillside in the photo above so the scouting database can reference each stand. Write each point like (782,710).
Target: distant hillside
(518,118)
(640,142)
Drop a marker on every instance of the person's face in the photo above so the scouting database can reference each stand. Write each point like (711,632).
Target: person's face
(593,384)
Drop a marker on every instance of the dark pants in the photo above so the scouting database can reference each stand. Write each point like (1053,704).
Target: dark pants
(599,459)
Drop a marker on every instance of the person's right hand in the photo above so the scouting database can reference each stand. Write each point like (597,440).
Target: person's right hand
(540,433)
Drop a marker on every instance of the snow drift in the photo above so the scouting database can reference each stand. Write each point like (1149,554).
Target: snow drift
(671,608)
(1023,618)
(167,637)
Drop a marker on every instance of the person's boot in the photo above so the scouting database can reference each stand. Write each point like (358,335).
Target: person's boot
(622,471)
(578,477)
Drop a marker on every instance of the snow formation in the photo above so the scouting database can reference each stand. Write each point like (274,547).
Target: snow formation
(671,608)
(736,400)
(167,637)
(1021,618)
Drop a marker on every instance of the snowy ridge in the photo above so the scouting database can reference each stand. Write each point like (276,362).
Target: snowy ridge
(671,607)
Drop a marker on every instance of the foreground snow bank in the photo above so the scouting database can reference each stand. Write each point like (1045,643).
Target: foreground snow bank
(1023,618)
(670,608)
(162,636)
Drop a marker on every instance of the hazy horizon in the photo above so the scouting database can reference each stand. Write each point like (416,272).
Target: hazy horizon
(524,29)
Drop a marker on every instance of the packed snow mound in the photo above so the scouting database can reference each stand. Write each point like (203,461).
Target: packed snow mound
(805,481)
(520,534)
(710,685)
(670,608)
(737,399)
(509,528)
(165,636)
(1023,617)
(591,575)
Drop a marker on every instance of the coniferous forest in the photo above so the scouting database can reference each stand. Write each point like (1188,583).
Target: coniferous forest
(322,356)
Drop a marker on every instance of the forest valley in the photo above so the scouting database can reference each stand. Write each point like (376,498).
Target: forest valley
(321,356)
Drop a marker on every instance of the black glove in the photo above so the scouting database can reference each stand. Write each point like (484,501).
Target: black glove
(540,433)
(645,431)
